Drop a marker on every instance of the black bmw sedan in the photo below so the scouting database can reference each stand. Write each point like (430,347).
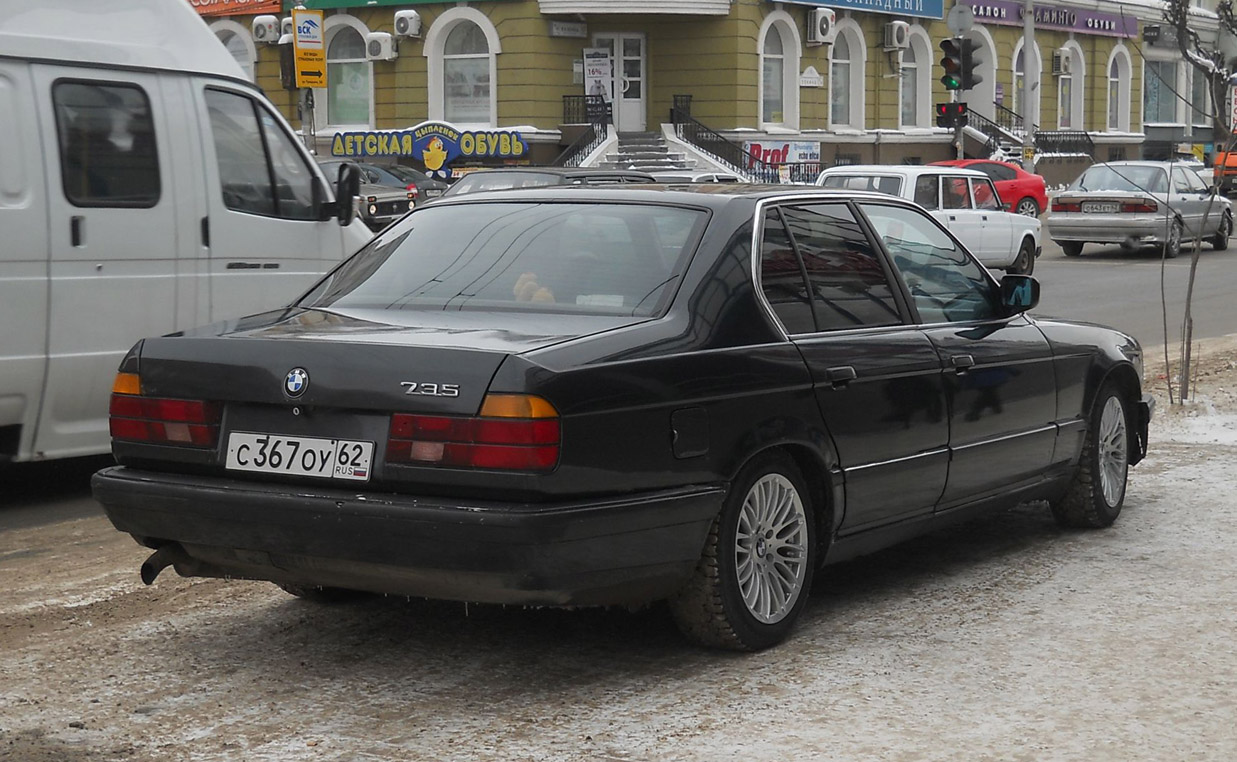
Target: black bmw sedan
(597,396)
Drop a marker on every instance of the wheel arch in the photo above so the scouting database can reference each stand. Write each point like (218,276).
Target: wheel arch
(825,493)
(1125,378)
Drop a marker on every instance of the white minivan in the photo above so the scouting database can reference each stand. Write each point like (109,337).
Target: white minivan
(145,187)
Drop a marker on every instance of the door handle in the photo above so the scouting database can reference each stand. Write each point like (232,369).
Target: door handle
(206,232)
(840,376)
(962,363)
(77,225)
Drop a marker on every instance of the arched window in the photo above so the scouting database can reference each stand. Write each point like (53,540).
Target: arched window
(839,83)
(915,93)
(239,43)
(1119,69)
(461,48)
(349,90)
(1070,88)
(1029,112)
(779,71)
(773,79)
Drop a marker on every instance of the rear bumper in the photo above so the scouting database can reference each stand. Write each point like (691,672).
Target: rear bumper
(1128,229)
(622,550)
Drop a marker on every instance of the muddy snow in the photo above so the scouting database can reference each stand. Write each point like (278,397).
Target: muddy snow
(1003,639)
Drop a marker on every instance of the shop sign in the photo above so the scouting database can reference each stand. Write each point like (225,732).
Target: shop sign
(235,7)
(434,144)
(1079,20)
(781,152)
(811,78)
(308,48)
(925,9)
(598,72)
(568,29)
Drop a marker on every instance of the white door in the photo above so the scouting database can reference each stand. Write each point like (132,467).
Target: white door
(628,91)
(115,251)
(998,224)
(958,213)
(262,242)
(23,260)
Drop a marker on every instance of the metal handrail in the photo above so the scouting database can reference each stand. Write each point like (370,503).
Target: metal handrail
(584,109)
(732,154)
(1065,141)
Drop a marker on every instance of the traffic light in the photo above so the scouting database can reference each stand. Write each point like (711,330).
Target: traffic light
(951,115)
(969,64)
(951,62)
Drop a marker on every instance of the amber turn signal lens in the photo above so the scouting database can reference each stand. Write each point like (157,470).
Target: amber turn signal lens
(516,406)
(127,383)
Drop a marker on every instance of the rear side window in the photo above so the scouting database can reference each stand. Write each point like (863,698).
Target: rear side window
(925,191)
(954,193)
(598,258)
(849,288)
(889,185)
(781,277)
(985,194)
(107,144)
(260,170)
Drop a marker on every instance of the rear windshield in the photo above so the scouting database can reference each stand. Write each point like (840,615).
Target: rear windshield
(595,258)
(890,185)
(492,181)
(1122,178)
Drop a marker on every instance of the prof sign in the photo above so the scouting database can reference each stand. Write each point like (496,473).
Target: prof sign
(307,42)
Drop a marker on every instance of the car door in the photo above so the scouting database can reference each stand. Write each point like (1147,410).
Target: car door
(1211,211)
(876,378)
(1188,200)
(996,223)
(115,251)
(998,371)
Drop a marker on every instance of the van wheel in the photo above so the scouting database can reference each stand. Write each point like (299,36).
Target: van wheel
(752,580)
(1097,492)
(1220,242)
(1071,248)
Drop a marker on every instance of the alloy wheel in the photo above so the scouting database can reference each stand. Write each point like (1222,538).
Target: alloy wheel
(771,548)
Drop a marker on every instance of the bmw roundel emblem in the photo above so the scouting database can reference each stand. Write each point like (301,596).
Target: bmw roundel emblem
(296,382)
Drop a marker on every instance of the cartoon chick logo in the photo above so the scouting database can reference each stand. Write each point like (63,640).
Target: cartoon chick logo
(434,155)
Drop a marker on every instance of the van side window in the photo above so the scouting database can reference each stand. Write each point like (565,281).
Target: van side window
(107,144)
(260,171)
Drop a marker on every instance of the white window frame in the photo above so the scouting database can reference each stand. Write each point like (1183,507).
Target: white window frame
(1125,68)
(1078,85)
(434,48)
(921,44)
(245,36)
(330,28)
(857,75)
(792,46)
(1029,115)
(1176,84)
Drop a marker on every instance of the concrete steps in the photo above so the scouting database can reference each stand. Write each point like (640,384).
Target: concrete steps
(644,151)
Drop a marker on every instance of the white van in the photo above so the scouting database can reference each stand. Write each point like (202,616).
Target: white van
(145,187)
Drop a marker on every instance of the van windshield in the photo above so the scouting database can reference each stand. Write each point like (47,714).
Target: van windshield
(590,258)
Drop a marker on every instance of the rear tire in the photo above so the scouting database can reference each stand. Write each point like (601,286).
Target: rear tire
(1071,248)
(752,580)
(1024,263)
(321,594)
(1220,242)
(1096,494)
(1028,207)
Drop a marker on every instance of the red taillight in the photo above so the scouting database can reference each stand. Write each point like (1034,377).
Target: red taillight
(160,420)
(1141,206)
(1066,206)
(412,189)
(524,436)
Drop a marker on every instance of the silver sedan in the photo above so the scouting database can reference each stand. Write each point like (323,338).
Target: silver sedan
(1139,203)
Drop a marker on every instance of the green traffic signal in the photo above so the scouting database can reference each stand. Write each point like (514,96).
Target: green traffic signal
(951,62)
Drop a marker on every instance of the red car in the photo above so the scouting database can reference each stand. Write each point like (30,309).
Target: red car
(1024,192)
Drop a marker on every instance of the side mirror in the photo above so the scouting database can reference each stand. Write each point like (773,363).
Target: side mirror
(347,188)
(1019,293)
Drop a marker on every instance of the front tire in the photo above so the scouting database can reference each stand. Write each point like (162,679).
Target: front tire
(1096,494)
(752,580)
(1220,242)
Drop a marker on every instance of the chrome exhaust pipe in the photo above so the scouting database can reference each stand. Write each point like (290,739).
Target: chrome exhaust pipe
(161,559)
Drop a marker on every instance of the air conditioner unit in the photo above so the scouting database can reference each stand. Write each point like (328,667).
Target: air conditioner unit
(266,29)
(1060,62)
(408,23)
(285,26)
(897,35)
(380,46)
(822,26)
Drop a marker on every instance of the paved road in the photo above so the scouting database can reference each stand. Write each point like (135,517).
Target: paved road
(1122,289)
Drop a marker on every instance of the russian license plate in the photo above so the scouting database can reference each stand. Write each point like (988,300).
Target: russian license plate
(302,456)
(1100,207)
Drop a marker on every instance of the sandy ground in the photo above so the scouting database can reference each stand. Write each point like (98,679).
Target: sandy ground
(1004,639)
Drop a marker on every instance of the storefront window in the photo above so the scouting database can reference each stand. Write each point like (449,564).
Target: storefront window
(1159,101)
(466,75)
(773,68)
(348,88)
(1200,100)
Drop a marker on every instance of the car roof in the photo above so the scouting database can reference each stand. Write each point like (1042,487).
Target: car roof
(713,195)
(564,171)
(903,170)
